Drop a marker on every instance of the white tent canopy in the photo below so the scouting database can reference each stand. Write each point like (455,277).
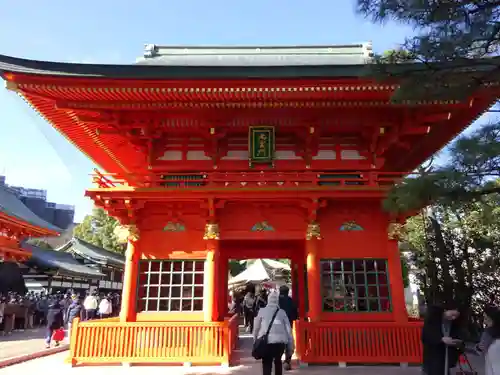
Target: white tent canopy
(260,270)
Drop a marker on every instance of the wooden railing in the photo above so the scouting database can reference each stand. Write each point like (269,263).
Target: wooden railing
(367,343)
(253,179)
(152,342)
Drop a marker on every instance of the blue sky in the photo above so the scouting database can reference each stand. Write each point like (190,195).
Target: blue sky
(32,154)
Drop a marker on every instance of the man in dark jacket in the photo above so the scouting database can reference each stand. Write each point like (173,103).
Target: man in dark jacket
(441,338)
(55,321)
(75,310)
(287,304)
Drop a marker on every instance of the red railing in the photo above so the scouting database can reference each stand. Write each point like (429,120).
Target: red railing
(330,342)
(152,342)
(253,179)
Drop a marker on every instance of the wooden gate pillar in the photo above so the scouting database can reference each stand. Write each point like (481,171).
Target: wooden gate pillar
(301,288)
(313,238)
(396,282)
(128,311)
(212,264)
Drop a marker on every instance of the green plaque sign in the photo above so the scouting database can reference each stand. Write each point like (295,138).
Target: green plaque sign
(261,144)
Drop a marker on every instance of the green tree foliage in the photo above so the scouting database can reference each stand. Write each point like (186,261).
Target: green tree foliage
(236,267)
(449,37)
(395,56)
(472,171)
(99,230)
(404,270)
(457,252)
(455,241)
(445,30)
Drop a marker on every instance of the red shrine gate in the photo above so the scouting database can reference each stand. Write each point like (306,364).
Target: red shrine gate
(210,160)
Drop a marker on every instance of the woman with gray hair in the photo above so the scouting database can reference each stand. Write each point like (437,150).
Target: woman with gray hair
(280,338)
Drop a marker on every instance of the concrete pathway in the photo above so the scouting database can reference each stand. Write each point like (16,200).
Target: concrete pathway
(56,365)
(20,343)
(244,364)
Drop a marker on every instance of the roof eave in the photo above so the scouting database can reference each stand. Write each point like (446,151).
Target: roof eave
(75,274)
(59,271)
(102,262)
(9,65)
(41,231)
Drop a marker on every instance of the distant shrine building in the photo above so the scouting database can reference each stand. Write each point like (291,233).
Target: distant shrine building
(77,265)
(213,154)
(59,215)
(17,223)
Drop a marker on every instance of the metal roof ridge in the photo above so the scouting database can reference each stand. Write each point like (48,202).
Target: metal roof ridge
(263,46)
(153,50)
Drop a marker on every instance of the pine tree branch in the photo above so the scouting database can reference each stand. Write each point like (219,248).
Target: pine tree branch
(471,194)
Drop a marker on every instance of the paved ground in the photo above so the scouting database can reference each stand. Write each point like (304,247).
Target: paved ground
(31,341)
(56,365)
(19,343)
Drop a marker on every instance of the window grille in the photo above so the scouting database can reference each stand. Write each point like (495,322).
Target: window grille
(355,285)
(170,285)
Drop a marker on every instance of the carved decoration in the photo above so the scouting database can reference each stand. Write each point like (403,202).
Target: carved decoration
(174,227)
(262,226)
(211,231)
(133,233)
(396,231)
(351,226)
(313,231)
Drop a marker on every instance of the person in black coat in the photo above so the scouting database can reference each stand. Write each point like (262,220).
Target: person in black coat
(286,303)
(260,301)
(55,321)
(235,307)
(441,336)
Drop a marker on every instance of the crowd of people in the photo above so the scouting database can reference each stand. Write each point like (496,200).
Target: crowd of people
(268,312)
(53,311)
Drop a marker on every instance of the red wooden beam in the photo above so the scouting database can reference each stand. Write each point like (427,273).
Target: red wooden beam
(65,81)
(240,195)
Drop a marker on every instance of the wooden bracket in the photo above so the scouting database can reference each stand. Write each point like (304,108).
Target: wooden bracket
(211,205)
(212,144)
(312,208)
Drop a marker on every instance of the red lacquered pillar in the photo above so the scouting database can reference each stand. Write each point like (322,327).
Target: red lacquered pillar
(396,282)
(212,290)
(128,311)
(313,240)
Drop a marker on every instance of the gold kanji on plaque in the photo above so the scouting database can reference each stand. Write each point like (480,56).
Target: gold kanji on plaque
(261,144)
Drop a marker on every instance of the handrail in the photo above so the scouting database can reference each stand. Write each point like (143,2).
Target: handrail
(254,179)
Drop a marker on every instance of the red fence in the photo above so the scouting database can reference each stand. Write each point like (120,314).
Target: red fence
(332,342)
(153,342)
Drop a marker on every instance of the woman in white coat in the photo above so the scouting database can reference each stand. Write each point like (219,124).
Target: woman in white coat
(280,339)
(492,357)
